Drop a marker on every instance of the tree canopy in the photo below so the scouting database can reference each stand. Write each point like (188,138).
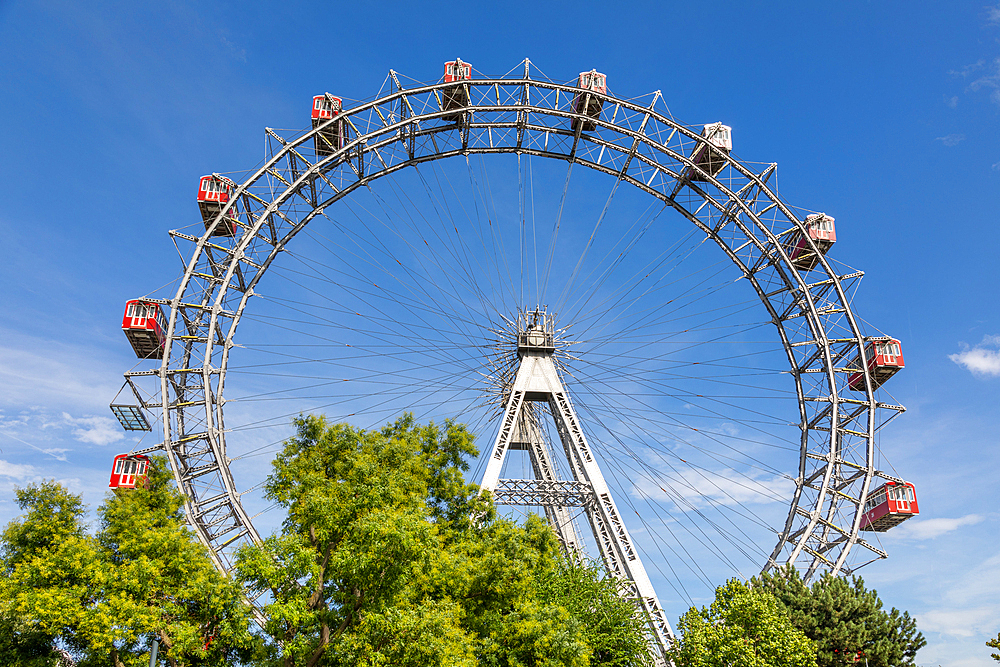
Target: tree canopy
(388,557)
(104,597)
(743,627)
(995,643)
(844,620)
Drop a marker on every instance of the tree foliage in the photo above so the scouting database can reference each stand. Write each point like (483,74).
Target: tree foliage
(995,643)
(388,557)
(844,620)
(106,596)
(743,627)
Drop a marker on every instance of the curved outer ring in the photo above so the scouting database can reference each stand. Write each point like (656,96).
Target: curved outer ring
(192,374)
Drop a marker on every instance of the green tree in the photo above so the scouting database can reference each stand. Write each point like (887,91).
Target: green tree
(388,557)
(994,643)
(106,596)
(744,627)
(844,620)
(52,520)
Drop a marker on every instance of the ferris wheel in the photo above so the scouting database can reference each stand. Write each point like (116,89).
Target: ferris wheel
(409,252)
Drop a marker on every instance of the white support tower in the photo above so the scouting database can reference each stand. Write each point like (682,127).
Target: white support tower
(538,381)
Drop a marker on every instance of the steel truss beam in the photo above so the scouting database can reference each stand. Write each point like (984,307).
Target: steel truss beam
(639,144)
(538,381)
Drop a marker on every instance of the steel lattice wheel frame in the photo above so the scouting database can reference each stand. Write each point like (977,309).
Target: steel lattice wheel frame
(637,143)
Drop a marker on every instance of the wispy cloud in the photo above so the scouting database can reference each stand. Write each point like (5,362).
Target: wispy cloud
(957,622)
(970,606)
(951,139)
(41,372)
(697,488)
(58,453)
(17,471)
(968,70)
(989,81)
(238,53)
(983,359)
(95,430)
(995,166)
(927,529)
(951,101)
(993,15)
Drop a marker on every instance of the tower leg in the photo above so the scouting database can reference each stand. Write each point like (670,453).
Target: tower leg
(537,380)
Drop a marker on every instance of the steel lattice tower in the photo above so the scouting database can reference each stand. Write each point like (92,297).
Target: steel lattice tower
(537,381)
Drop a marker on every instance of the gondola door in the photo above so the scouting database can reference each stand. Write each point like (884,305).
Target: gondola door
(127,477)
(902,499)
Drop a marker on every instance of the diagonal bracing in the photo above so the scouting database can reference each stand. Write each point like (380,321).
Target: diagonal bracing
(537,381)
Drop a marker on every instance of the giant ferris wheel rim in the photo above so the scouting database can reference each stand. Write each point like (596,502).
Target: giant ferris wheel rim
(181,354)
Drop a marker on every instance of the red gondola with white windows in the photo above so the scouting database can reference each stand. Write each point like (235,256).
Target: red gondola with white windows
(711,155)
(145,326)
(586,102)
(889,505)
(129,471)
(823,234)
(457,96)
(885,358)
(334,136)
(214,192)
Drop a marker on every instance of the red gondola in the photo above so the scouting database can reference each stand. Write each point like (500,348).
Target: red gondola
(589,104)
(145,326)
(457,96)
(711,155)
(334,137)
(889,505)
(129,471)
(823,233)
(214,192)
(885,358)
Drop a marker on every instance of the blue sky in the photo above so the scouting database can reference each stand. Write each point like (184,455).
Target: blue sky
(882,114)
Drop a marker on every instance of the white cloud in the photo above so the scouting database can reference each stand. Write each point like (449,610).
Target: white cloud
(695,488)
(983,359)
(993,15)
(959,622)
(234,49)
(40,372)
(57,453)
(979,585)
(990,80)
(968,69)
(17,471)
(951,101)
(995,166)
(951,139)
(95,430)
(927,529)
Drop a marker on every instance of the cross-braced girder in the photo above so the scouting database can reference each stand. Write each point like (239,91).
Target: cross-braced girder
(635,142)
(538,381)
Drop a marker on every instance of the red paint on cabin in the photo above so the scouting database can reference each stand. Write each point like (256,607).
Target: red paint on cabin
(332,137)
(889,505)
(129,471)
(457,70)
(711,154)
(585,102)
(457,96)
(145,326)
(214,192)
(885,358)
(823,233)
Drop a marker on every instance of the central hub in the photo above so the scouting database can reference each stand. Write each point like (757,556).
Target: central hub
(536,332)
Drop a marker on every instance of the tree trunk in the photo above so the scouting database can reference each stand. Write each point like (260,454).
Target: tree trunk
(165,640)
(324,641)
